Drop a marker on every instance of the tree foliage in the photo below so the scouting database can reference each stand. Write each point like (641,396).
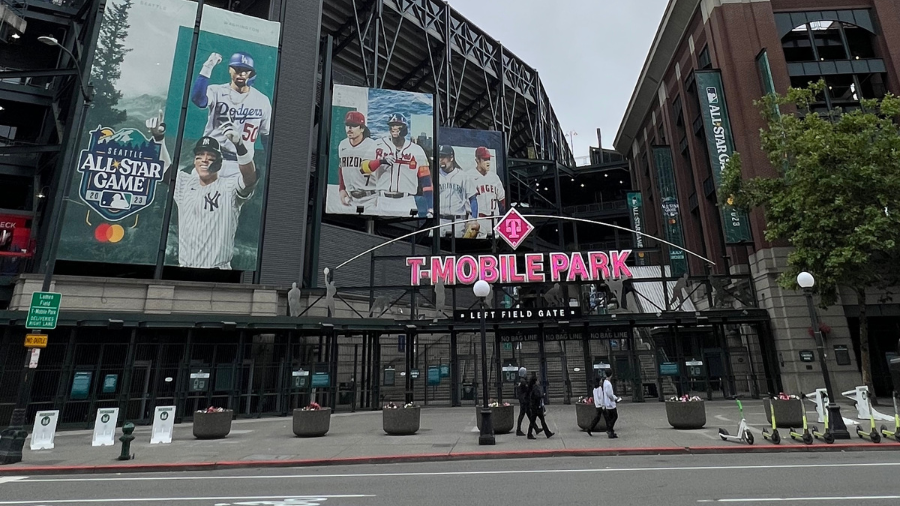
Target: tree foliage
(108,59)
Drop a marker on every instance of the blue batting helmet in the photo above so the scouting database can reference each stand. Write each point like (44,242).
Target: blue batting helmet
(242,61)
(399,119)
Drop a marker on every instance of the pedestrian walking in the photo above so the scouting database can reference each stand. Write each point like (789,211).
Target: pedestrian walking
(536,396)
(522,395)
(610,402)
(598,403)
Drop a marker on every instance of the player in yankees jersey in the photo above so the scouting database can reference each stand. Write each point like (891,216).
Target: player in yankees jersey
(457,189)
(357,181)
(491,196)
(402,168)
(209,204)
(236,101)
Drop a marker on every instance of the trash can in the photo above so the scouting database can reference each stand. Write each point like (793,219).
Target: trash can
(468,392)
(345,393)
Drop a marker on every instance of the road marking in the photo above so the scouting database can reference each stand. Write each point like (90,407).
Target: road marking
(463,473)
(10,479)
(806,499)
(181,499)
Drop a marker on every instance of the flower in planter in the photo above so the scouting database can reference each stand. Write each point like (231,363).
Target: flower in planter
(785,397)
(313,406)
(495,404)
(411,405)
(390,405)
(212,409)
(685,398)
(586,400)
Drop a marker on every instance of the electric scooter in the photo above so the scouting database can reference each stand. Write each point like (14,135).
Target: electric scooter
(827,435)
(804,436)
(773,436)
(873,434)
(744,435)
(894,434)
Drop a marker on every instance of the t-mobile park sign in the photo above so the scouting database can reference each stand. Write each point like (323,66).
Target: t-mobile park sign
(536,267)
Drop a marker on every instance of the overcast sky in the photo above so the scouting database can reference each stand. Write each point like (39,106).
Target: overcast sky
(589,53)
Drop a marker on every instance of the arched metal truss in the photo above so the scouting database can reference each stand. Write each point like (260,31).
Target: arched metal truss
(426,46)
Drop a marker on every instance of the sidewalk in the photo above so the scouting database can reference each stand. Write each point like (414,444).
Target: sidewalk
(445,434)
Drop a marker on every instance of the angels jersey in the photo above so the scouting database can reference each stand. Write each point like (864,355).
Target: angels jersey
(400,177)
(251,113)
(489,191)
(351,158)
(457,188)
(208,219)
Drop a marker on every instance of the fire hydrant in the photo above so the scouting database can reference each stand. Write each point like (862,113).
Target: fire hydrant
(126,440)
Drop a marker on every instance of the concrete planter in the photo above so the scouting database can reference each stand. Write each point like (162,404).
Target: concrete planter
(212,425)
(686,415)
(502,417)
(787,413)
(312,423)
(584,415)
(401,421)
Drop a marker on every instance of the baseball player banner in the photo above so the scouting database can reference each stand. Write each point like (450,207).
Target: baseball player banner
(379,163)
(472,181)
(117,201)
(665,177)
(221,175)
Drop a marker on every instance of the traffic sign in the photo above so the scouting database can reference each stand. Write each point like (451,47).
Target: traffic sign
(44,311)
(35,340)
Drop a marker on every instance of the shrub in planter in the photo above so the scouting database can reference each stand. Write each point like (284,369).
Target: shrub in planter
(214,423)
(502,417)
(312,421)
(401,421)
(788,411)
(686,412)
(585,411)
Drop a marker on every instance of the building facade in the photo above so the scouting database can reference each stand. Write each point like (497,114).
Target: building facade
(741,51)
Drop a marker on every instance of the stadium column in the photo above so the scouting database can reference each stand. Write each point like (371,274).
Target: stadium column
(321,163)
(588,362)
(454,370)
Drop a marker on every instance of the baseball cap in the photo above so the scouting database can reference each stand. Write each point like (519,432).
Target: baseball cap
(447,150)
(483,153)
(207,144)
(355,118)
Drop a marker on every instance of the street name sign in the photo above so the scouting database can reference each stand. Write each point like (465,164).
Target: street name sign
(44,311)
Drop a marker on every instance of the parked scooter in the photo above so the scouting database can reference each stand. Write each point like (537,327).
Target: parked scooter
(743,433)
(827,435)
(873,434)
(893,434)
(804,436)
(773,436)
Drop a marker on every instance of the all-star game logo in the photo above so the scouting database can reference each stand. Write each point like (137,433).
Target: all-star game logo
(119,172)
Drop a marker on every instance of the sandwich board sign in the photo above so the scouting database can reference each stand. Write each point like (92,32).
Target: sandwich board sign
(105,427)
(44,430)
(163,425)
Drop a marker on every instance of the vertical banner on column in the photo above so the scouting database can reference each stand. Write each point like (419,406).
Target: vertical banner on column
(163,425)
(221,179)
(636,216)
(720,143)
(671,213)
(44,430)
(116,201)
(105,427)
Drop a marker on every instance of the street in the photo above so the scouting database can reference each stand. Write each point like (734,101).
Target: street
(833,478)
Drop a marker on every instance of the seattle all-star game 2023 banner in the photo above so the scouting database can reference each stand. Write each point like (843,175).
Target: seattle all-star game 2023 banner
(120,190)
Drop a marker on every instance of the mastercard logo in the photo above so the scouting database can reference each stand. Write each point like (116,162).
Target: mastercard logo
(109,233)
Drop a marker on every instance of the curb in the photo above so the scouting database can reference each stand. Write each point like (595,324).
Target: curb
(438,457)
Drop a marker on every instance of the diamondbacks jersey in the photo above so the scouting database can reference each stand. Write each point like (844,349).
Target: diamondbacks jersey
(490,192)
(351,159)
(251,113)
(457,188)
(400,177)
(208,219)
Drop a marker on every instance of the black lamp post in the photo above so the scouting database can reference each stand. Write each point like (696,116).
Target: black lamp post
(482,289)
(835,420)
(12,439)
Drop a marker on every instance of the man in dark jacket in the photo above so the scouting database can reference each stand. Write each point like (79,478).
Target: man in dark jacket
(522,395)
(536,396)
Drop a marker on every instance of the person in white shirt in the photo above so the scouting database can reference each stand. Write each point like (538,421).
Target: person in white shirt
(609,405)
(598,403)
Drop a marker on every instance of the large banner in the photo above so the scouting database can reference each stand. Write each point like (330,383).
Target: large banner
(720,143)
(382,143)
(671,212)
(140,70)
(472,181)
(636,216)
(222,170)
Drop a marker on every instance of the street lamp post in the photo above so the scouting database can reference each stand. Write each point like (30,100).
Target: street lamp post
(835,420)
(12,438)
(482,289)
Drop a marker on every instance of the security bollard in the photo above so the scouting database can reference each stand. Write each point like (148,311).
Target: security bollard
(126,440)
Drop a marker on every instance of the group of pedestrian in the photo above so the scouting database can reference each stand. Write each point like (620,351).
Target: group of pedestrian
(531,403)
(605,401)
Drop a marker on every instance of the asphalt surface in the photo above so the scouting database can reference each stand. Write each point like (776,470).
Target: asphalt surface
(867,478)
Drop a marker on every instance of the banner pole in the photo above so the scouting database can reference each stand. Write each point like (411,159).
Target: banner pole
(322,164)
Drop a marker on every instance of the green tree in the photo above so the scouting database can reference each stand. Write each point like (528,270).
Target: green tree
(836,198)
(108,58)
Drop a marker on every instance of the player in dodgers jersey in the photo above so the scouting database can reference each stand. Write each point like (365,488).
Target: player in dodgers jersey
(237,102)
(457,189)
(490,193)
(403,168)
(357,180)
(209,205)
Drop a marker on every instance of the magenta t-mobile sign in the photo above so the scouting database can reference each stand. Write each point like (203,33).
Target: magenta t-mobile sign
(531,268)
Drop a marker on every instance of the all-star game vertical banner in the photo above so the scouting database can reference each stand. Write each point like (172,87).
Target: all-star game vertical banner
(116,201)
(720,142)
(665,176)
(221,178)
(636,216)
